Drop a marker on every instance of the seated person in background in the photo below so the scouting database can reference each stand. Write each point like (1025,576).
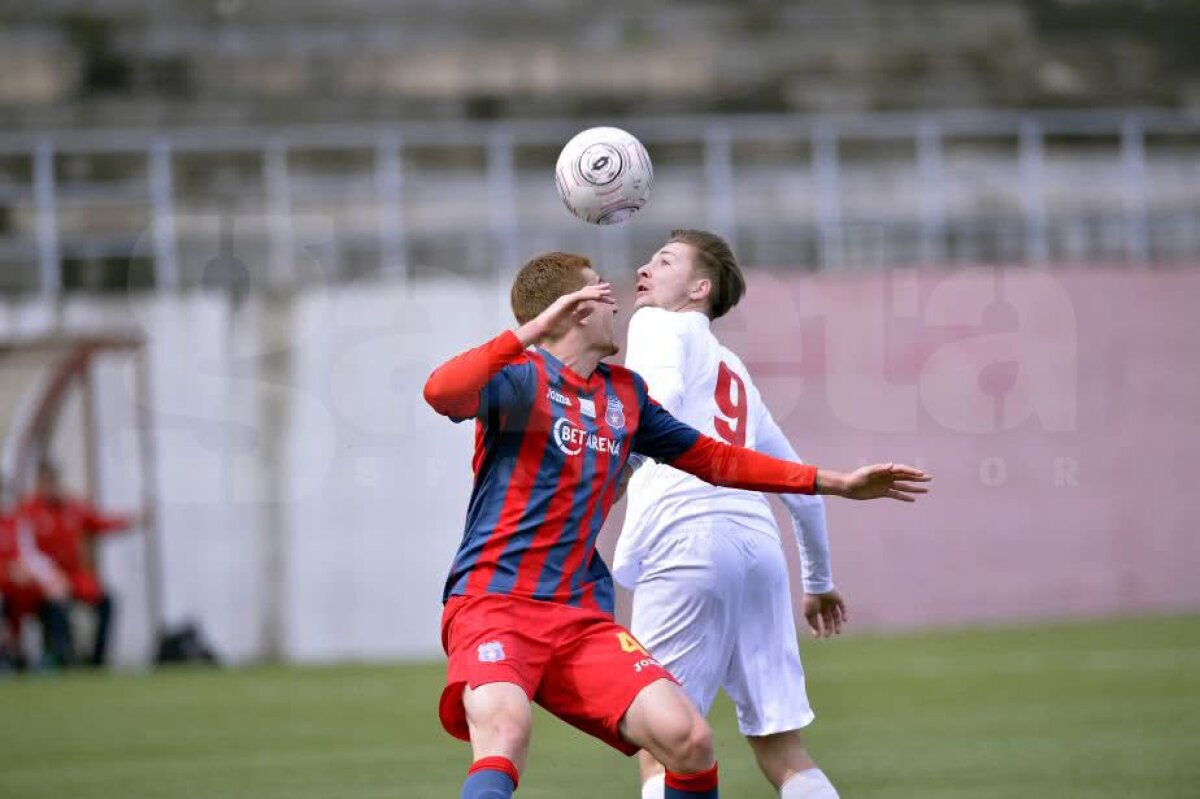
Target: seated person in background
(62,527)
(30,584)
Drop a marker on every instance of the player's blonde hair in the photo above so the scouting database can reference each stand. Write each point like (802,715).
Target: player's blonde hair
(543,280)
(716,262)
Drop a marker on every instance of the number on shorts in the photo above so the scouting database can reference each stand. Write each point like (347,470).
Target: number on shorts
(630,644)
(733,407)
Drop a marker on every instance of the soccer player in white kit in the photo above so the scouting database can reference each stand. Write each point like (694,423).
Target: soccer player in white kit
(711,599)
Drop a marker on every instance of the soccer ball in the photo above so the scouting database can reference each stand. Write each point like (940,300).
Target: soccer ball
(604,175)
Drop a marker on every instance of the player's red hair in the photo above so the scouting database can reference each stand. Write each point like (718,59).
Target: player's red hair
(543,280)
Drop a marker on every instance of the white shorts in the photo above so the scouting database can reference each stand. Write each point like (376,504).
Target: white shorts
(714,607)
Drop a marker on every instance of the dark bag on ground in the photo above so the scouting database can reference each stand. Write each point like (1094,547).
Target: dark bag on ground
(185,644)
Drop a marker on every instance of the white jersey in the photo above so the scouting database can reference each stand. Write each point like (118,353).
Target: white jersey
(706,385)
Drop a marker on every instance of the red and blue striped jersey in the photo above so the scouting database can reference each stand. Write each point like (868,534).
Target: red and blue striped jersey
(550,446)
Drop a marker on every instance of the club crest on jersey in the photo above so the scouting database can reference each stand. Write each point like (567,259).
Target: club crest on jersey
(614,415)
(571,440)
(491,652)
(558,396)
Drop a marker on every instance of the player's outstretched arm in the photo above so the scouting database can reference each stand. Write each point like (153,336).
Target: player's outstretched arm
(724,464)
(663,437)
(453,388)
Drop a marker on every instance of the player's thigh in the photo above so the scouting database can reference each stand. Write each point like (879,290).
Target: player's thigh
(500,719)
(685,610)
(491,639)
(664,723)
(597,672)
(766,678)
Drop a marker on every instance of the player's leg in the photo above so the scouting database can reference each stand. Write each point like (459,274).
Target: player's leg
(104,612)
(57,635)
(786,763)
(766,678)
(497,652)
(683,611)
(500,720)
(666,725)
(604,682)
(653,776)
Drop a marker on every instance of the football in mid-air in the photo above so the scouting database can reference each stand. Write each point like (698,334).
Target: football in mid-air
(604,175)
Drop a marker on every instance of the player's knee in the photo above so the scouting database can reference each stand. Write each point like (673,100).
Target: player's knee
(506,734)
(508,724)
(511,733)
(688,747)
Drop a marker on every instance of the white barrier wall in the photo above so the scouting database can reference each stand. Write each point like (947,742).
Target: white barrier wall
(310,502)
(377,483)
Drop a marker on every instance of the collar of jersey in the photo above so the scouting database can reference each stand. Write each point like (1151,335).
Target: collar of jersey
(569,375)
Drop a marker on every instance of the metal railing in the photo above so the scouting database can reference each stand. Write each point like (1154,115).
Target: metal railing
(967,187)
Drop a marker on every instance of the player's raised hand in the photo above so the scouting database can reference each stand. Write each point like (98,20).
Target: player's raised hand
(826,613)
(878,481)
(565,312)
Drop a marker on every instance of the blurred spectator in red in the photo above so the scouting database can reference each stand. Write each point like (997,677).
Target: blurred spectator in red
(62,527)
(31,584)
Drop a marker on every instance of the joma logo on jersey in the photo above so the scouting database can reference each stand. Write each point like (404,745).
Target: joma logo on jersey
(571,440)
(645,663)
(558,396)
(491,652)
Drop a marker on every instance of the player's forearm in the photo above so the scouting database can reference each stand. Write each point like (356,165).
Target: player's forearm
(734,467)
(453,388)
(531,332)
(807,512)
(812,541)
(771,441)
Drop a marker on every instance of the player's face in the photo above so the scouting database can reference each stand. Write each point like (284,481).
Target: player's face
(668,280)
(600,324)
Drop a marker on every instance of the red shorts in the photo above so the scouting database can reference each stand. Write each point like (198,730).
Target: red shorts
(20,600)
(85,587)
(578,664)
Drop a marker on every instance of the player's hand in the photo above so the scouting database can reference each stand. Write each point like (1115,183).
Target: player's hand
(565,312)
(878,481)
(825,613)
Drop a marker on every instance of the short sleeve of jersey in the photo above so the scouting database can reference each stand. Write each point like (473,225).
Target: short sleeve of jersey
(511,387)
(660,435)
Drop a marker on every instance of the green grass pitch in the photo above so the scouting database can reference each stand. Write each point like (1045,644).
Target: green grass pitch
(1096,710)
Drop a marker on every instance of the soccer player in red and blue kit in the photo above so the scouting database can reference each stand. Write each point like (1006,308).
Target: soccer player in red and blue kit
(528,613)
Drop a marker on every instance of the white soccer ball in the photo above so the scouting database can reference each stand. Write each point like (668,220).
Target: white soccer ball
(604,175)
